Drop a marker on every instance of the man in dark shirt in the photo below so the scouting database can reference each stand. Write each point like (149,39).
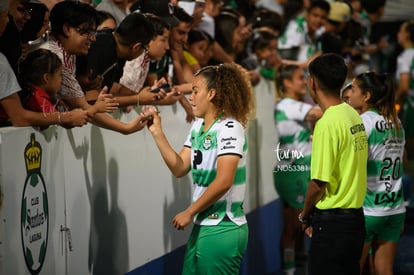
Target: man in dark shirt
(108,54)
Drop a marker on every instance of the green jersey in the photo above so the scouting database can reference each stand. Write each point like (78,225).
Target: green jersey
(385,166)
(225,136)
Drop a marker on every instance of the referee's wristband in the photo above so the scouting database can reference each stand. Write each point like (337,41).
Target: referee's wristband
(301,220)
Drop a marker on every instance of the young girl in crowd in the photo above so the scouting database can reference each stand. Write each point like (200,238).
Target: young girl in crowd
(373,96)
(105,21)
(228,33)
(215,153)
(262,54)
(199,49)
(294,121)
(40,75)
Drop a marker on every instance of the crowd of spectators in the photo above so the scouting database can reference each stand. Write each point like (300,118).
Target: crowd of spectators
(116,53)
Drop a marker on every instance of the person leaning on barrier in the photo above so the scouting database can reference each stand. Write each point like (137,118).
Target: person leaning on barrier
(172,65)
(135,71)
(11,109)
(73,26)
(111,50)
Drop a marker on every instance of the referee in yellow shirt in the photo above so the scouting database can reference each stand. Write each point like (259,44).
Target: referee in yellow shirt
(332,215)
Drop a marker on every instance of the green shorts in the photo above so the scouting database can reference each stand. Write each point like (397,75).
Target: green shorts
(291,183)
(216,249)
(386,228)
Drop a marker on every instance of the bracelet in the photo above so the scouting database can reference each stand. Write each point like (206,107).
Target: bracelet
(302,221)
(138,99)
(60,122)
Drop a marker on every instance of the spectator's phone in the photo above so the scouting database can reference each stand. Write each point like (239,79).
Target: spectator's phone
(166,87)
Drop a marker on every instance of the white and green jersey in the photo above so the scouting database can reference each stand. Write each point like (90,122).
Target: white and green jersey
(296,36)
(385,166)
(405,65)
(224,137)
(294,132)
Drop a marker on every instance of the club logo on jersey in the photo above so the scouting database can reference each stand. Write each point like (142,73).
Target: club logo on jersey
(34,209)
(207,142)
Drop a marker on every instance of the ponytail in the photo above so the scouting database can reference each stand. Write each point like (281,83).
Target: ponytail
(282,73)
(381,88)
(387,106)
